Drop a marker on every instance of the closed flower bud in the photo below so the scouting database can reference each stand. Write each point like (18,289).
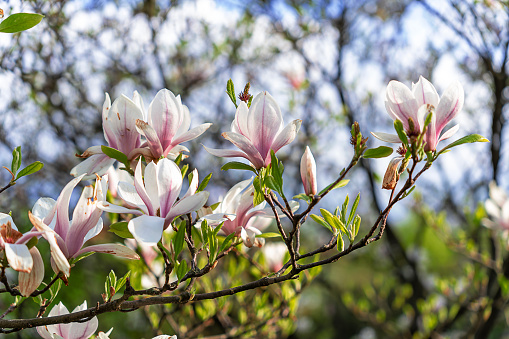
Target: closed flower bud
(391,176)
(308,172)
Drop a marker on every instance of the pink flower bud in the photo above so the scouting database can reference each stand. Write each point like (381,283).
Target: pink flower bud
(308,172)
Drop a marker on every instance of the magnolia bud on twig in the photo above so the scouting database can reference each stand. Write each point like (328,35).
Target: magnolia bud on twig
(308,172)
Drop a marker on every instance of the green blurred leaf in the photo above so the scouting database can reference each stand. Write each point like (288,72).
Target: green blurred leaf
(182,270)
(354,208)
(268,235)
(302,196)
(16,160)
(398,126)
(230,90)
(239,166)
(341,243)
(379,152)
(322,222)
(466,140)
(204,183)
(342,183)
(30,169)
(20,22)
(115,154)
(178,241)
(226,242)
(120,229)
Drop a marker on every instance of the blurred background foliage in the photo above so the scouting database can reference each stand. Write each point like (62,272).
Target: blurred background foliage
(438,272)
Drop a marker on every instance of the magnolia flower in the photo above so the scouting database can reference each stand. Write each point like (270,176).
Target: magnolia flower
(497,207)
(154,200)
(274,254)
(249,220)
(257,130)
(167,126)
(308,172)
(28,262)
(119,126)
(402,103)
(52,217)
(81,330)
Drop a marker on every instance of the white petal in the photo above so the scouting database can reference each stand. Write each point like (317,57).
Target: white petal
(188,204)
(19,257)
(83,330)
(128,193)
(94,231)
(28,282)
(450,132)
(387,137)
(42,207)
(286,136)
(107,207)
(147,229)
(96,164)
(425,92)
(115,249)
(191,134)
(6,218)
(169,184)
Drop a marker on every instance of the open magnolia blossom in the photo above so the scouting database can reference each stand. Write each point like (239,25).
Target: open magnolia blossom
(28,262)
(52,217)
(497,207)
(402,103)
(257,130)
(154,199)
(119,126)
(248,221)
(167,126)
(82,330)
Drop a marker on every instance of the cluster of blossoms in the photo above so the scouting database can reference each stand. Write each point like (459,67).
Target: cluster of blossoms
(149,141)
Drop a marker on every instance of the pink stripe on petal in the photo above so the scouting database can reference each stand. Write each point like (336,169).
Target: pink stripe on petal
(152,139)
(140,188)
(187,205)
(246,146)
(169,184)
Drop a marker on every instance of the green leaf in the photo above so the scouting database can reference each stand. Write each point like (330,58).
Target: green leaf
(183,170)
(230,90)
(226,242)
(277,172)
(30,169)
(303,196)
(333,220)
(344,209)
(120,229)
(249,101)
(379,152)
(354,208)
(115,154)
(466,140)
(182,270)
(179,158)
(113,278)
(20,22)
(318,219)
(239,166)
(178,241)
(204,183)
(121,282)
(341,243)
(398,126)
(270,182)
(258,196)
(205,231)
(342,183)
(16,159)
(356,225)
(268,235)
